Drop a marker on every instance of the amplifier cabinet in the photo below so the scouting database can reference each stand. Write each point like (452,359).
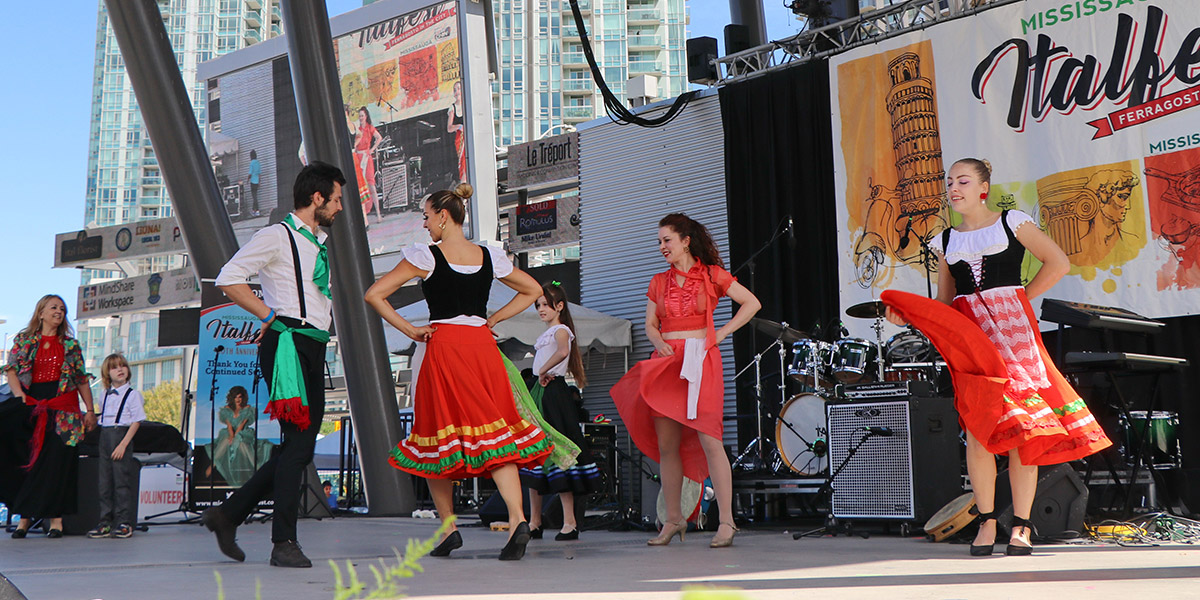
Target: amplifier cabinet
(908,475)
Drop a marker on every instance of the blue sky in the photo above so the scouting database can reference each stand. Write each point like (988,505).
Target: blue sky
(44,121)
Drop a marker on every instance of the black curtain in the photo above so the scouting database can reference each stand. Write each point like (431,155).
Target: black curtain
(779,164)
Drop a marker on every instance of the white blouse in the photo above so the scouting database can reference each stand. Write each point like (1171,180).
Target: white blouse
(421,257)
(545,347)
(972,246)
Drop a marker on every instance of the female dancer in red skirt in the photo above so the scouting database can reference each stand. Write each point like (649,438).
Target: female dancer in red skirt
(672,403)
(465,420)
(1009,396)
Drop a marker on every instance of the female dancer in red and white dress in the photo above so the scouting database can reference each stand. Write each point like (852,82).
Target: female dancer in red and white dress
(672,403)
(1009,396)
(465,419)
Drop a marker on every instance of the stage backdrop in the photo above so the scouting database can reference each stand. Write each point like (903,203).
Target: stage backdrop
(1089,114)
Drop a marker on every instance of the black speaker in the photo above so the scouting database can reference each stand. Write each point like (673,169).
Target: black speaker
(737,39)
(908,474)
(314,504)
(602,446)
(701,52)
(1059,504)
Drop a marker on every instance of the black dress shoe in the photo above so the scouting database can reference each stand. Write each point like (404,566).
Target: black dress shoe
(452,542)
(987,549)
(515,548)
(566,537)
(19,534)
(288,554)
(1018,549)
(226,531)
(535,533)
(54,534)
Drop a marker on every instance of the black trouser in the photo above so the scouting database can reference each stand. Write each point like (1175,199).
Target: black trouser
(281,475)
(117,479)
(254,195)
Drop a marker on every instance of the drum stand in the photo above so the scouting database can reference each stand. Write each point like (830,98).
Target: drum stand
(825,491)
(755,452)
(759,443)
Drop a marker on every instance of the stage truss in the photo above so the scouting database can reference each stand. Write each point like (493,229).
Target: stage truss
(870,27)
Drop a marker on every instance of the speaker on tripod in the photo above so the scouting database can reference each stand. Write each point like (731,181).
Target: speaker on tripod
(314,504)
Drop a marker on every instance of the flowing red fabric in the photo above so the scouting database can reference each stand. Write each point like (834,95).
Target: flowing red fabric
(653,388)
(1050,425)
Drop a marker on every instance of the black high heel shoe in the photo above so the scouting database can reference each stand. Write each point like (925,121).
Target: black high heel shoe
(452,542)
(984,550)
(19,534)
(515,548)
(566,537)
(1018,549)
(535,533)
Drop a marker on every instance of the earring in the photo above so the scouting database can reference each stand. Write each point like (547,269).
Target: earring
(443,226)
(983,196)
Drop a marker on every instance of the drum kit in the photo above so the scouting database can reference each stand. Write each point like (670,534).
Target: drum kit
(816,370)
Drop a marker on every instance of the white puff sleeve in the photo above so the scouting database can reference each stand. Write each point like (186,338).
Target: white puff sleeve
(1017,218)
(419,256)
(501,266)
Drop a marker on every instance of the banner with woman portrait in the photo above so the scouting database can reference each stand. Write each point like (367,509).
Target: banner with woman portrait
(233,436)
(1089,113)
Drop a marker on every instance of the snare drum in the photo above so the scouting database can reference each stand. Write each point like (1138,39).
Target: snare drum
(805,413)
(810,362)
(909,372)
(854,360)
(1160,437)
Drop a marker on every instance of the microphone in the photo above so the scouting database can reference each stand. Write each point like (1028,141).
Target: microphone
(791,234)
(882,431)
(219,349)
(842,327)
(820,447)
(904,238)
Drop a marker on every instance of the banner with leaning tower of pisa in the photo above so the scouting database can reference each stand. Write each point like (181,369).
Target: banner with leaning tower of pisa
(1089,112)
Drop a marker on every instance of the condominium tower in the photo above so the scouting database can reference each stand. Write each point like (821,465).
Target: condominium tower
(124,182)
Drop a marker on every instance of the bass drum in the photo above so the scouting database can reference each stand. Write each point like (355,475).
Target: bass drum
(806,415)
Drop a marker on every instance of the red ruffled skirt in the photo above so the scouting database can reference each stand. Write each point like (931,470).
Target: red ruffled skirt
(465,421)
(1006,389)
(653,388)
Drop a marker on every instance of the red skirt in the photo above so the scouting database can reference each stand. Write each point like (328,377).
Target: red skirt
(653,388)
(1007,391)
(465,421)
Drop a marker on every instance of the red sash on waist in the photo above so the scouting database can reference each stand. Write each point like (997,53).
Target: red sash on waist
(68,402)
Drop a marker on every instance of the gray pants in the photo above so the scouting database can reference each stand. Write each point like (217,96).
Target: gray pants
(118,479)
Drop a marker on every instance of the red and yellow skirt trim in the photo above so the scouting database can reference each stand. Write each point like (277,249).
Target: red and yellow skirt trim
(465,420)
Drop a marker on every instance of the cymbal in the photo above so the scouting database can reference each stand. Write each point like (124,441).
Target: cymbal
(779,330)
(871,309)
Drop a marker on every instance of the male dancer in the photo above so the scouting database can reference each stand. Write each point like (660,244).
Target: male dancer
(296,314)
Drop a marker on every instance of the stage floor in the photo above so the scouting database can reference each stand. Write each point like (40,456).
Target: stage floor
(178,562)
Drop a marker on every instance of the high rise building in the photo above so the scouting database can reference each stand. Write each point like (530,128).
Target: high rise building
(545,82)
(124,182)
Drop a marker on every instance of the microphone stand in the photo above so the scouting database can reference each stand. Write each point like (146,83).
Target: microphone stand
(212,421)
(826,490)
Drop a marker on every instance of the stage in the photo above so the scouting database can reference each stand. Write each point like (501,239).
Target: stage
(178,562)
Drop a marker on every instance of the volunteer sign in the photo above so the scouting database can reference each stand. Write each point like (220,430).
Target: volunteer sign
(539,161)
(118,242)
(137,294)
(544,225)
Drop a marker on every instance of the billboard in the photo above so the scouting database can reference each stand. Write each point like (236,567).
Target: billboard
(1088,114)
(127,241)
(404,113)
(137,294)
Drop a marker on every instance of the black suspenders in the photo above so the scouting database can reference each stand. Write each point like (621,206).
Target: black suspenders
(299,277)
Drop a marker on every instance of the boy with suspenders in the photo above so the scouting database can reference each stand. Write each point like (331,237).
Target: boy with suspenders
(121,412)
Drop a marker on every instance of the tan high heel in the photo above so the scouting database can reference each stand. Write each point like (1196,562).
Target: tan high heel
(668,531)
(723,542)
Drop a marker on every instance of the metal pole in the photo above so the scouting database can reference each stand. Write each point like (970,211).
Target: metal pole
(371,393)
(167,113)
(750,14)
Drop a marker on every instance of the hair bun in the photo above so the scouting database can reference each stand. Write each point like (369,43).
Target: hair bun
(988,164)
(464,190)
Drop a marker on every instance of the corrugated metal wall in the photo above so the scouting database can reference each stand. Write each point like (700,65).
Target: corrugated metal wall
(254,130)
(629,178)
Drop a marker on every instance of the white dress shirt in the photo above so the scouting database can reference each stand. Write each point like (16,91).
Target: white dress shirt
(110,403)
(269,254)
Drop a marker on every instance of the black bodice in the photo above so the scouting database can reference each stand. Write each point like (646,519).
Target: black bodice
(999,270)
(450,293)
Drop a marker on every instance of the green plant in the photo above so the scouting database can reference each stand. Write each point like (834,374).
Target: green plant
(387,576)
